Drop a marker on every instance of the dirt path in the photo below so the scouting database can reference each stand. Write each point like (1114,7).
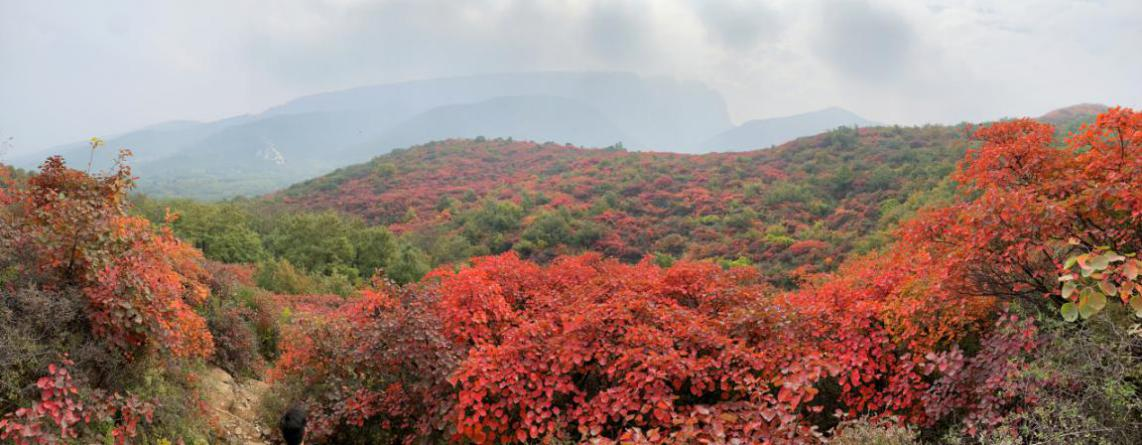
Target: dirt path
(234,406)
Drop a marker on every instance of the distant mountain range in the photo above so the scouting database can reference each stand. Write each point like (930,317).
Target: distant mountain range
(312,135)
(763,133)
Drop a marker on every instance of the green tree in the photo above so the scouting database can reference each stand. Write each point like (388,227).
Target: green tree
(315,242)
(280,276)
(375,248)
(550,229)
(410,266)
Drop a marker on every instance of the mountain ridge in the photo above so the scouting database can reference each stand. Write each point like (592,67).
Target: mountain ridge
(762,133)
(318,133)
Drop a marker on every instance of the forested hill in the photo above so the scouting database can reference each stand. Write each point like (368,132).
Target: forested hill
(804,204)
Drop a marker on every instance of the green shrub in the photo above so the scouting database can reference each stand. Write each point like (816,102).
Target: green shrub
(280,276)
(1092,374)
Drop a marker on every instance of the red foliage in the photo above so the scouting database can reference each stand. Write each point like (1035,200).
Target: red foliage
(596,347)
(893,318)
(481,304)
(989,386)
(73,229)
(880,316)
(310,306)
(379,360)
(226,279)
(638,198)
(591,349)
(62,412)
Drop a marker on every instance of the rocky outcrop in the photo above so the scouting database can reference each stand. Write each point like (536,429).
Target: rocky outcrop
(233,405)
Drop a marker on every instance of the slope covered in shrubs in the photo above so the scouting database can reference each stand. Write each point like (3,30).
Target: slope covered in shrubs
(801,206)
(1004,309)
(954,333)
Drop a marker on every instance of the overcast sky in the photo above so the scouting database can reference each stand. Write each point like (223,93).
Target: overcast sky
(73,69)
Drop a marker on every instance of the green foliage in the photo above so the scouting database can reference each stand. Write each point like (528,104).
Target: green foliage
(491,224)
(548,230)
(1101,275)
(741,219)
(848,188)
(375,249)
(410,265)
(740,261)
(783,192)
(223,232)
(664,260)
(326,252)
(314,242)
(1091,380)
(280,276)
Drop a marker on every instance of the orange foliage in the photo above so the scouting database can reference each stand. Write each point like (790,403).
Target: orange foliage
(1027,205)
(591,349)
(141,283)
(595,348)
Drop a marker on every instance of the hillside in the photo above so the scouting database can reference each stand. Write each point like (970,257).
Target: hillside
(116,313)
(806,203)
(1068,115)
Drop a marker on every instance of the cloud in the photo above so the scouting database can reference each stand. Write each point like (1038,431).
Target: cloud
(72,70)
(866,42)
(738,24)
(618,33)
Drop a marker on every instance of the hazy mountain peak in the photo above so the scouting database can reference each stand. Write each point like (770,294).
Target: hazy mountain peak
(762,133)
(660,113)
(1072,113)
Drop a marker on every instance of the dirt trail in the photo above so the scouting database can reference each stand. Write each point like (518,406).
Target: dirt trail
(234,407)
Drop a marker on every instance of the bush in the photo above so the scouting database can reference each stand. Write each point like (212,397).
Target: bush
(236,349)
(1091,376)
(229,279)
(410,265)
(37,327)
(874,432)
(371,371)
(97,308)
(267,329)
(280,276)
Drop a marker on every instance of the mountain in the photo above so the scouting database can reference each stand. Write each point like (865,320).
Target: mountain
(662,114)
(810,201)
(525,117)
(311,135)
(762,133)
(1068,119)
(1066,115)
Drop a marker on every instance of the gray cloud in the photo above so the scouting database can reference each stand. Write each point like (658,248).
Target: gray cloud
(866,42)
(739,24)
(69,70)
(617,33)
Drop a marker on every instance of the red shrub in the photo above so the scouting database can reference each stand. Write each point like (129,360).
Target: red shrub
(610,346)
(378,365)
(63,412)
(72,229)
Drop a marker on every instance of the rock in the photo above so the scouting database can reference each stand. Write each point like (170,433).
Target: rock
(233,405)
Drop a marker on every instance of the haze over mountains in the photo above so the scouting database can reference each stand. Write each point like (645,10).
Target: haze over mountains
(311,135)
(760,133)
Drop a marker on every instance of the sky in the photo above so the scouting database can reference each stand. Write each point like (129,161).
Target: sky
(74,69)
